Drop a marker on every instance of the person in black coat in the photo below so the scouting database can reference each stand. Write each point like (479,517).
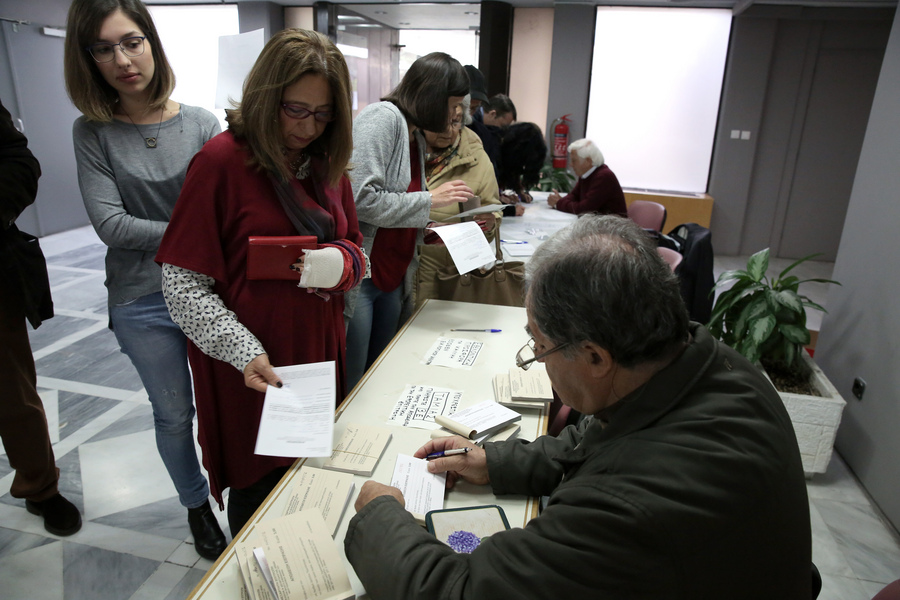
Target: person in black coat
(522,155)
(25,293)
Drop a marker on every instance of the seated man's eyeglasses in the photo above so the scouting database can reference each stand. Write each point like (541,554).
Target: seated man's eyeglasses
(526,356)
(130,47)
(295,111)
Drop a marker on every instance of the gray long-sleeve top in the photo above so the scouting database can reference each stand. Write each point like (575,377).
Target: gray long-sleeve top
(380,178)
(130,190)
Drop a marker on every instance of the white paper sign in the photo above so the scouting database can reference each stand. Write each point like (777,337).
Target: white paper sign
(419,404)
(237,54)
(456,353)
(298,419)
(423,491)
(468,247)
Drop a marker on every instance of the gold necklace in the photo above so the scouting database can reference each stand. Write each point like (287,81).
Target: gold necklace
(149,141)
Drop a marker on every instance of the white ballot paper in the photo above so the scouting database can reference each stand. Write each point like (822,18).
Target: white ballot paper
(468,247)
(419,404)
(456,353)
(479,210)
(423,491)
(525,249)
(298,419)
(237,53)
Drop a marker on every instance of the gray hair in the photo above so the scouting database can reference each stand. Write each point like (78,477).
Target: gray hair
(466,103)
(601,280)
(585,148)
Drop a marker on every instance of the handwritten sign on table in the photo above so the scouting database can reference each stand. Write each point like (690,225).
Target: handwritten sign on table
(419,404)
(456,353)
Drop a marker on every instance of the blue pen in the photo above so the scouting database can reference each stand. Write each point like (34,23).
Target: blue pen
(443,453)
(480,330)
(512,242)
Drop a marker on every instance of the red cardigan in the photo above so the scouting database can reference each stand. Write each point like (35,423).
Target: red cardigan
(599,192)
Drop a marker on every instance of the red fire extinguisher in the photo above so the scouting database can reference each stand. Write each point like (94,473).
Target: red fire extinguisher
(561,142)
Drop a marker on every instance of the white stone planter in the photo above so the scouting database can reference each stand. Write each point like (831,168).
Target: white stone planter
(816,419)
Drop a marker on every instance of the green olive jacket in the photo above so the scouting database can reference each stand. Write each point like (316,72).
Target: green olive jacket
(694,490)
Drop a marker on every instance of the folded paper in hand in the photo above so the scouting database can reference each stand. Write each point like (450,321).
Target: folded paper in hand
(489,208)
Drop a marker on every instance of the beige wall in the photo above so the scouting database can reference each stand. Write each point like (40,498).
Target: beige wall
(300,17)
(529,73)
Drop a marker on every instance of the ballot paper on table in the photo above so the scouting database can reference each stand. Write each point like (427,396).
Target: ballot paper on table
(298,419)
(479,421)
(419,404)
(523,249)
(423,491)
(301,559)
(456,353)
(467,245)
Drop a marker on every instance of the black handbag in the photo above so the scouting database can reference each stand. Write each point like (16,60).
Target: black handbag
(26,269)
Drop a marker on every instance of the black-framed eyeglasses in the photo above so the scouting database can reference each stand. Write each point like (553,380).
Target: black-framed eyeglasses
(526,355)
(295,111)
(105,52)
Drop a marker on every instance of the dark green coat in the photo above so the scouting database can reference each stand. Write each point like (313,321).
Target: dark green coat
(694,490)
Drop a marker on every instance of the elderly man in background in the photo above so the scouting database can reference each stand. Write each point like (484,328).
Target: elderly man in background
(597,189)
(685,482)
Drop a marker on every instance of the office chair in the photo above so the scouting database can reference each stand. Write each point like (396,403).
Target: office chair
(647,214)
(672,258)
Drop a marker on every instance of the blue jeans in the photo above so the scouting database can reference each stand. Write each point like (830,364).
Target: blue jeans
(158,350)
(375,321)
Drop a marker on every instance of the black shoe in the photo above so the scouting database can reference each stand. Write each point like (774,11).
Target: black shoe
(209,541)
(60,516)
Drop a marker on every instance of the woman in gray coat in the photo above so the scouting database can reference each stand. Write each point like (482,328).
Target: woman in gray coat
(392,203)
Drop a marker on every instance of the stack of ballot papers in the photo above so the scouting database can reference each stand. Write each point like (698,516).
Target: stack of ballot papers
(519,388)
(326,491)
(480,421)
(359,449)
(293,558)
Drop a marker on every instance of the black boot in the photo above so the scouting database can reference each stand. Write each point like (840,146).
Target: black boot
(209,541)
(60,516)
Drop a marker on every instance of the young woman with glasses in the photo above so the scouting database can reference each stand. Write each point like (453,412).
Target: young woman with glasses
(392,200)
(132,147)
(277,171)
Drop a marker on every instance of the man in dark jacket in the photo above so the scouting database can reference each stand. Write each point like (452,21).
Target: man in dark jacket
(684,482)
(25,291)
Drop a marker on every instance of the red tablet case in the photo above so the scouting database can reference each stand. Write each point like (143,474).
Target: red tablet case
(271,257)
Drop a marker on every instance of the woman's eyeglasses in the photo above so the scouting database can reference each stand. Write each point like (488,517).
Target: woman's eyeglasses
(295,111)
(105,52)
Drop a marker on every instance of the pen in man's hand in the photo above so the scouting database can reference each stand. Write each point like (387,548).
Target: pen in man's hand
(442,453)
(482,330)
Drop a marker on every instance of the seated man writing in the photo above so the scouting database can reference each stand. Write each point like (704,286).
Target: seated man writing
(684,482)
(597,189)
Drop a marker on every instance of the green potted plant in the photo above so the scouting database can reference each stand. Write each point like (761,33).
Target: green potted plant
(765,320)
(555,178)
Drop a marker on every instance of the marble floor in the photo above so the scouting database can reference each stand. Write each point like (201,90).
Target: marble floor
(135,543)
